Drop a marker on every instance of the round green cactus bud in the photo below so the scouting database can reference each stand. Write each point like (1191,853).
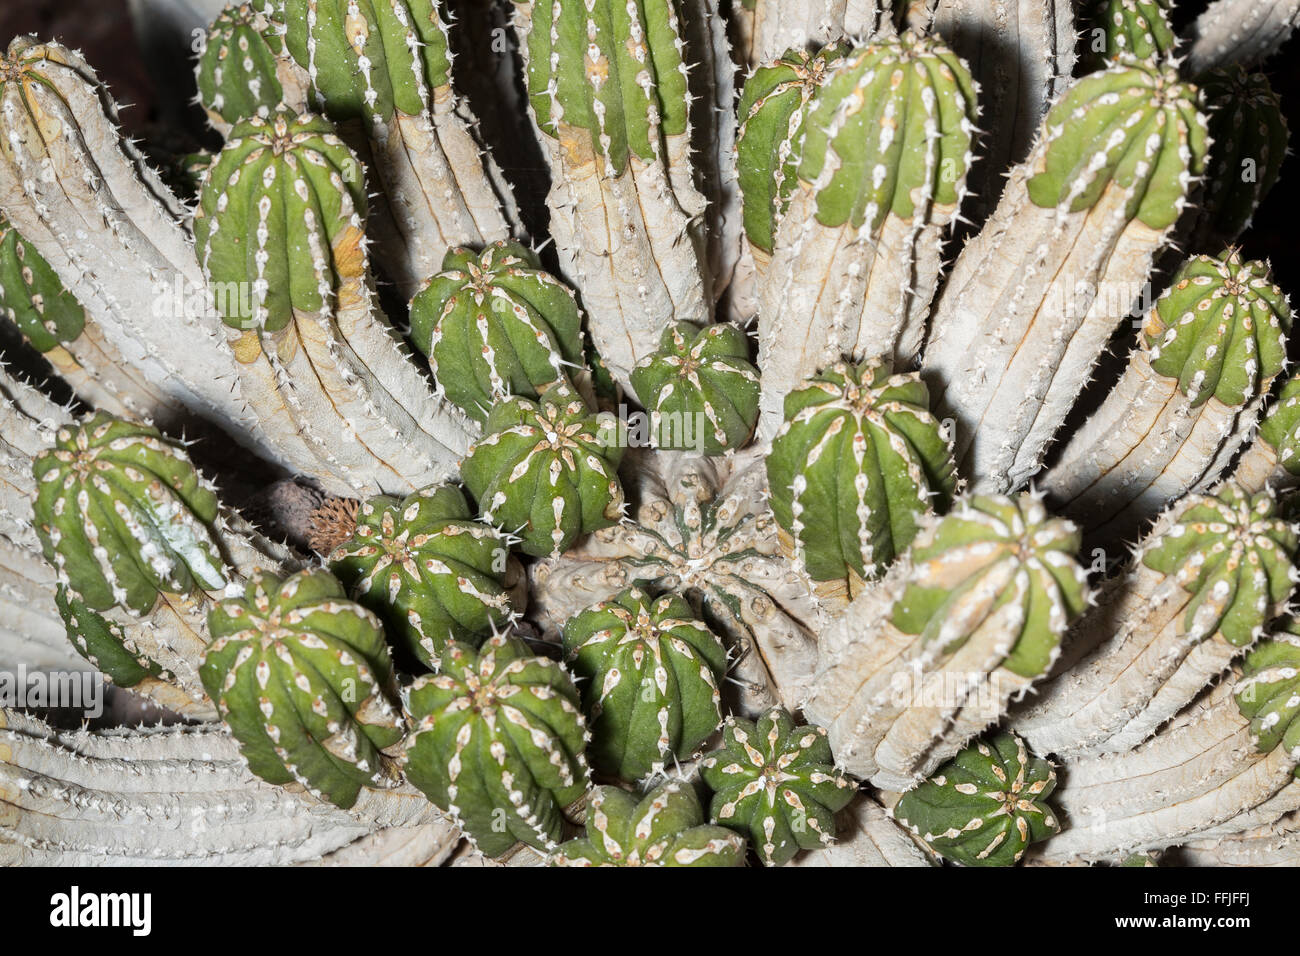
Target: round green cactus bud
(1268,692)
(614,70)
(32,295)
(300,675)
(700,388)
(495,324)
(858,461)
(652,673)
(124,516)
(279,228)
(497,742)
(1234,555)
(1220,329)
(547,471)
(1281,426)
(1010,549)
(369,58)
(985,806)
(238,67)
(428,570)
(103,642)
(666,827)
(1139,28)
(773,104)
(889,130)
(777,783)
(1134,126)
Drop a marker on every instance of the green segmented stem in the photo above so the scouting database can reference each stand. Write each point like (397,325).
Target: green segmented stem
(1268,692)
(666,827)
(244,68)
(700,388)
(431,573)
(301,675)
(1137,28)
(32,295)
(858,462)
(984,807)
(652,671)
(1273,459)
(103,642)
(497,742)
(495,324)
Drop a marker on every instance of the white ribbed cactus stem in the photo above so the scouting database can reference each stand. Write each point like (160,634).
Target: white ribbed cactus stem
(768,28)
(166,796)
(867,836)
(1246,32)
(1033,299)
(1274,844)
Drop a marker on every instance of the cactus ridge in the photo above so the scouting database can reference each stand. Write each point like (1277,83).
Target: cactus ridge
(666,827)
(238,68)
(1268,692)
(32,295)
(1137,28)
(1280,430)
(104,643)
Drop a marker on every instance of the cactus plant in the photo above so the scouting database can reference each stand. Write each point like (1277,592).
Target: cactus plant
(664,828)
(1137,28)
(243,68)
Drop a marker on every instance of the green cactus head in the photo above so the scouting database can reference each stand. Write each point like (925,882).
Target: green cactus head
(124,516)
(429,571)
(495,324)
(1280,428)
(1234,555)
(652,671)
(497,742)
(611,70)
(776,782)
(103,642)
(1220,329)
(301,675)
(547,471)
(985,806)
(1268,691)
(666,827)
(857,463)
(33,297)
(774,102)
(238,66)
(1005,563)
(1250,137)
(889,133)
(1137,28)
(700,388)
(369,59)
(280,223)
(1133,127)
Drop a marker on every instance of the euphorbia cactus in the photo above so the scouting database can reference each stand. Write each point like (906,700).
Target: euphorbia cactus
(103,642)
(547,471)
(495,324)
(700,388)
(985,806)
(1274,457)
(856,465)
(34,297)
(666,827)
(775,781)
(1137,28)
(302,678)
(244,69)
(497,741)
(1269,690)
(651,673)
(429,571)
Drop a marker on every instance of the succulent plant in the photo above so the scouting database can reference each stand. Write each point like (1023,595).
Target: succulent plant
(651,673)
(700,388)
(985,806)
(1274,457)
(776,782)
(103,642)
(243,68)
(1137,28)
(429,571)
(856,465)
(302,678)
(1269,691)
(666,827)
(497,740)
(33,297)
(547,471)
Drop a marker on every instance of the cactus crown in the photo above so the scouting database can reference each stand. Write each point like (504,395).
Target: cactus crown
(666,827)
(985,806)
(280,223)
(429,571)
(1133,126)
(1220,329)
(1233,554)
(33,296)
(889,130)
(858,461)
(300,675)
(124,516)
(497,741)
(237,69)
(1006,563)
(495,324)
